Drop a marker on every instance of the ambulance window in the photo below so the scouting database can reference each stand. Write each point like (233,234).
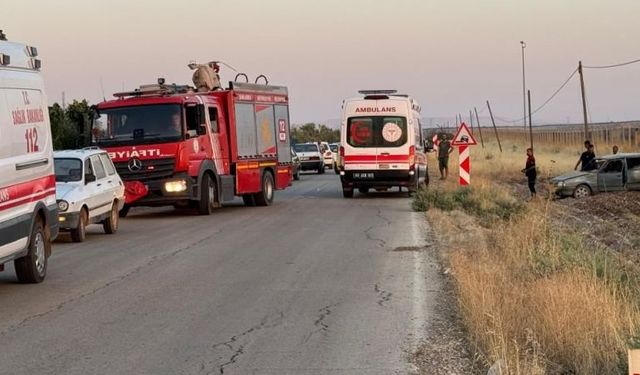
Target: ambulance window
(213,117)
(97,167)
(360,132)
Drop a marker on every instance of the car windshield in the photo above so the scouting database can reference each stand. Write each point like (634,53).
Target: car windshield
(305,147)
(334,148)
(68,169)
(140,124)
(377,131)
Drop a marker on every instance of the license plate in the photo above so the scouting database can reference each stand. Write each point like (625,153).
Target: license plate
(364,175)
(304,158)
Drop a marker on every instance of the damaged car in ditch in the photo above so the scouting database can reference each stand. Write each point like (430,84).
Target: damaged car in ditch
(612,173)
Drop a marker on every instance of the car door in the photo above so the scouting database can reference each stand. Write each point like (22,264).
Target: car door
(633,173)
(103,193)
(114,184)
(610,176)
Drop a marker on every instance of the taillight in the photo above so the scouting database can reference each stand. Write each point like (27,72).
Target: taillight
(341,151)
(412,156)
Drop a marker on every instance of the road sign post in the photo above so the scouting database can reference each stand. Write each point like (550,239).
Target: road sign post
(463,139)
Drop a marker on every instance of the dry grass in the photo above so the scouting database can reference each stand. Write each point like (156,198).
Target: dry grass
(537,298)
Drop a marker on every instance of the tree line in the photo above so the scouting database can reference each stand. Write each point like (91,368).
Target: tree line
(311,132)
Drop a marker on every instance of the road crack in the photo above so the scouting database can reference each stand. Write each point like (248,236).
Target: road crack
(236,347)
(321,326)
(383,296)
(136,270)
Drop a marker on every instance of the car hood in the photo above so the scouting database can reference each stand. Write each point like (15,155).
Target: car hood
(64,189)
(571,175)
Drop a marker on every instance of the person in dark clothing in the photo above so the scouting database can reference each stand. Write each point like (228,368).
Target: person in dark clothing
(587,159)
(530,171)
(444,149)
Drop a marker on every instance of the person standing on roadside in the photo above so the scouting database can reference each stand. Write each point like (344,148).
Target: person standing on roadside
(444,149)
(530,171)
(587,158)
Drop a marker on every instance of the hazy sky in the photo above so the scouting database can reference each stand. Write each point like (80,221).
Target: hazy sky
(450,55)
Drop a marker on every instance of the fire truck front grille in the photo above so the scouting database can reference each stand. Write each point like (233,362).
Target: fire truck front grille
(149,170)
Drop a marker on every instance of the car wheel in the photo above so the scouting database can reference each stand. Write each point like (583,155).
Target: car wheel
(581,191)
(110,224)
(79,233)
(32,268)
(265,197)
(347,192)
(207,202)
(363,190)
(124,211)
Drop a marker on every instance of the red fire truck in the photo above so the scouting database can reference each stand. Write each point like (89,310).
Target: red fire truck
(176,145)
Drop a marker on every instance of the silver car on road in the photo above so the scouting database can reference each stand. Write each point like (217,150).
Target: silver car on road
(612,173)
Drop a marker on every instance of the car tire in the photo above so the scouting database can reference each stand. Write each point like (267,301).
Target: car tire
(265,196)
(110,224)
(124,211)
(363,190)
(32,268)
(79,233)
(207,202)
(582,191)
(347,192)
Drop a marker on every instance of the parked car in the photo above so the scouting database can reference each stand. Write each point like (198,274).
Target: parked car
(327,154)
(310,156)
(88,191)
(335,149)
(613,173)
(295,162)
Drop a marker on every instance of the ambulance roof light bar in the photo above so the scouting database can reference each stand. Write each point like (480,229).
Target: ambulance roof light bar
(377,92)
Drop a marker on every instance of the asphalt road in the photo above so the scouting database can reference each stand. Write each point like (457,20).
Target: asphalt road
(315,284)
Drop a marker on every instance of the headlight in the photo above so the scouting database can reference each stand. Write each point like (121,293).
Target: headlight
(175,186)
(63,205)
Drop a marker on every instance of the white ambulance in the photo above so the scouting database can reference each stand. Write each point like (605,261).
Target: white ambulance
(381,143)
(28,210)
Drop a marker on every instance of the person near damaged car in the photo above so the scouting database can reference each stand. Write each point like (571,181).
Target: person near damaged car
(531,172)
(587,159)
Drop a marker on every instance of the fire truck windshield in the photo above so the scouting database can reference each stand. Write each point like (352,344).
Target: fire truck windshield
(138,125)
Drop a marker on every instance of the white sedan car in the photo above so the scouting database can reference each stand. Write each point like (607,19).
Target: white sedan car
(88,191)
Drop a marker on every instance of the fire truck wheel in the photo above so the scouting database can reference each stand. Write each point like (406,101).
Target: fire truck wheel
(32,268)
(207,202)
(265,197)
(248,200)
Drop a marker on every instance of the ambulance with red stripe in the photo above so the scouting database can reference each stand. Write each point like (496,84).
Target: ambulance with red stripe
(182,146)
(381,143)
(28,211)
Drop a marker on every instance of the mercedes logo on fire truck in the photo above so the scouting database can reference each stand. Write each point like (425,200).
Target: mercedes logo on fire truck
(135,165)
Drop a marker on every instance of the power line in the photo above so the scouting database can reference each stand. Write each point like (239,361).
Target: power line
(611,66)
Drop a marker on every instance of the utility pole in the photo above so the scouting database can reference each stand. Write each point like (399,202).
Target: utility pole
(479,127)
(494,126)
(530,126)
(523,45)
(584,102)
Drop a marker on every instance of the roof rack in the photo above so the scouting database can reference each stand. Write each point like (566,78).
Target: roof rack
(377,92)
(156,89)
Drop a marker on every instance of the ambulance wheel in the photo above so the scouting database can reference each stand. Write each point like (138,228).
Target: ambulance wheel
(110,224)
(347,192)
(79,233)
(124,211)
(32,268)
(363,190)
(207,202)
(248,200)
(265,197)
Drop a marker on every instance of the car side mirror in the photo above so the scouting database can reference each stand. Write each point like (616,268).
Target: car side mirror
(89,177)
(191,134)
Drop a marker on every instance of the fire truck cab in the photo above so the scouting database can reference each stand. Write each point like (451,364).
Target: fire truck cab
(173,145)
(381,143)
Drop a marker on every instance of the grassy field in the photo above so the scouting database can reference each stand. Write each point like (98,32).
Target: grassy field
(534,295)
